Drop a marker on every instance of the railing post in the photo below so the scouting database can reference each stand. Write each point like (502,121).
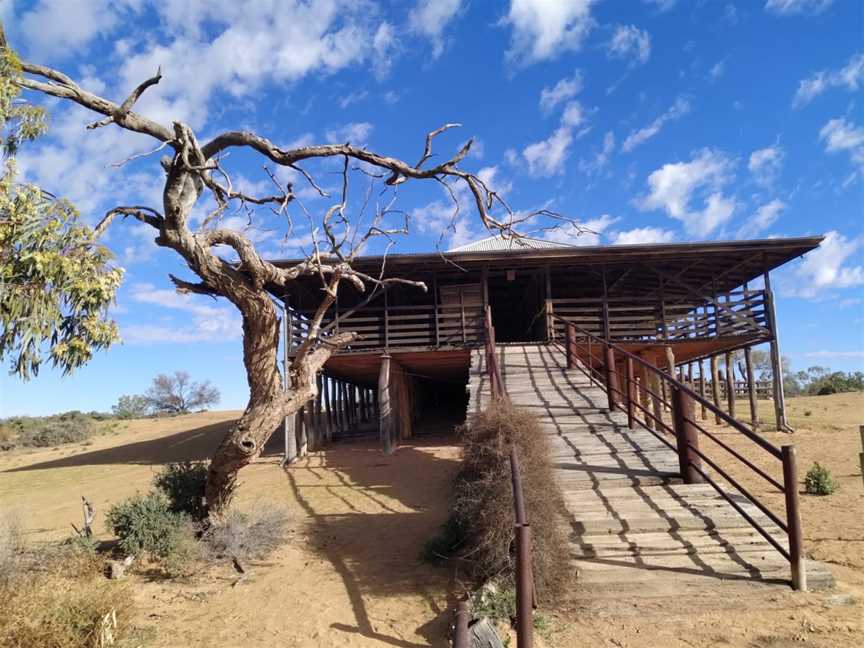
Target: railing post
(571,345)
(686,436)
(460,631)
(793,518)
(550,322)
(611,377)
(524,588)
(631,393)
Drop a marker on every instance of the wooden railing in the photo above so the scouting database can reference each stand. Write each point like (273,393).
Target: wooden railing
(739,312)
(524,575)
(630,383)
(388,327)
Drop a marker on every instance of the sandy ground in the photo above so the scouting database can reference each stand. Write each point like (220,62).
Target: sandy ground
(349,575)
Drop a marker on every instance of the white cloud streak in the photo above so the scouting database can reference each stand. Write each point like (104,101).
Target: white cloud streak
(850,76)
(430,17)
(677,110)
(630,42)
(543,29)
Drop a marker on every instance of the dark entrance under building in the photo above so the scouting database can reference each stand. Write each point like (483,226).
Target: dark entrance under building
(516,299)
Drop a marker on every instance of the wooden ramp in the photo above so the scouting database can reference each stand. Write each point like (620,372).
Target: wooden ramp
(631,518)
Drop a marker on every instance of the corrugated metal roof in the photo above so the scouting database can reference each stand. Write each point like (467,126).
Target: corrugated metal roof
(500,244)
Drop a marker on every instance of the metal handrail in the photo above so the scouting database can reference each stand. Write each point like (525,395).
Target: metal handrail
(525,597)
(687,431)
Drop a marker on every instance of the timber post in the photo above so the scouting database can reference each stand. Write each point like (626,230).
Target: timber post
(776,359)
(303,425)
(644,398)
(751,388)
(702,388)
(571,346)
(861,454)
(686,436)
(730,385)
(631,393)
(611,377)
(385,411)
(793,518)
(715,386)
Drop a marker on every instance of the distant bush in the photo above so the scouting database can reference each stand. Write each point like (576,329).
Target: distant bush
(183,484)
(177,394)
(49,431)
(250,534)
(134,406)
(819,481)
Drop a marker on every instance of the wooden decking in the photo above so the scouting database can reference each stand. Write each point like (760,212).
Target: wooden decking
(631,519)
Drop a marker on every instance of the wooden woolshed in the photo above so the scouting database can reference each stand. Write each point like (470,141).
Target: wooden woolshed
(675,304)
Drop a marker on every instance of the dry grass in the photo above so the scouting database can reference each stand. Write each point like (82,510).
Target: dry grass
(247,534)
(56,596)
(482,503)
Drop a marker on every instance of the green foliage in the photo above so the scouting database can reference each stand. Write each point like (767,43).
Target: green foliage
(146,523)
(819,481)
(134,406)
(183,484)
(56,283)
(177,394)
(49,431)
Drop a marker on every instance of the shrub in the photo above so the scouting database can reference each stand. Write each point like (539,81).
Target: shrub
(183,484)
(146,523)
(819,481)
(482,501)
(245,535)
(42,432)
(135,406)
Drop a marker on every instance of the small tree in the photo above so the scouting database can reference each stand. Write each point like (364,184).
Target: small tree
(177,394)
(134,406)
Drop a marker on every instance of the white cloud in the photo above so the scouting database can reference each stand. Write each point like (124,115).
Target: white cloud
(788,7)
(356,133)
(834,355)
(547,157)
(850,76)
(661,5)
(55,29)
(717,70)
(764,165)
(630,42)
(430,17)
(565,89)
(602,158)
(643,236)
(246,45)
(208,323)
(823,267)
(672,187)
(842,135)
(584,233)
(574,114)
(762,219)
(677,110)
(544,29)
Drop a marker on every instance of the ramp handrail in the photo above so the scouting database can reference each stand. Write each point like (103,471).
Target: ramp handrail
(613,368)
(525,599)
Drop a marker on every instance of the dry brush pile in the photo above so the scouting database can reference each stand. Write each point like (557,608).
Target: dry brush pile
(480,530)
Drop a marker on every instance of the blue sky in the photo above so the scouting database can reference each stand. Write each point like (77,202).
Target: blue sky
(647,121)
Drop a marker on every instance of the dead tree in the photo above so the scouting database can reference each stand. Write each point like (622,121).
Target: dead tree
(194,170)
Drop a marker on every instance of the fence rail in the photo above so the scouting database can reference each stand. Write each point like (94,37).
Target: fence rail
(738,312)
(385,327)
(645,392)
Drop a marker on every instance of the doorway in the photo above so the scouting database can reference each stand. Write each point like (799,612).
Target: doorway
(516,299)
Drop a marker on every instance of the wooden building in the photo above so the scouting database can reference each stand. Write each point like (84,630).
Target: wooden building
(678,305)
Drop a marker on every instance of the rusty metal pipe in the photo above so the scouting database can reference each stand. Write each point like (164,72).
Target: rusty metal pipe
(460,629)
(524,588)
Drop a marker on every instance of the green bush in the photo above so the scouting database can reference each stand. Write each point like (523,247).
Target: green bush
(49,431)
(146,523)
(183,484)
(134,406)
(819,481)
